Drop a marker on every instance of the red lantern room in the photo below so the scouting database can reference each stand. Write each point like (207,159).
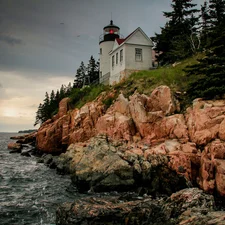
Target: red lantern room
(110,33)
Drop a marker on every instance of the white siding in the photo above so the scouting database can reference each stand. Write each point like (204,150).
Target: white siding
(130,61)
(138,38)
(115,75)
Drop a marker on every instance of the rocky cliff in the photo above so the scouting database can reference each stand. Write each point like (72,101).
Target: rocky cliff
(138,137)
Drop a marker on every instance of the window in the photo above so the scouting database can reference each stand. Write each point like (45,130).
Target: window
(100,73)
(121,55)
(113,61)
(100,51)
(117,58)
(138,54)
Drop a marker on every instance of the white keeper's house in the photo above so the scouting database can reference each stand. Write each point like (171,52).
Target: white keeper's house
(119,57)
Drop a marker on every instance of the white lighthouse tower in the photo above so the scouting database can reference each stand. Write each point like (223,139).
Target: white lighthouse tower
(106,41)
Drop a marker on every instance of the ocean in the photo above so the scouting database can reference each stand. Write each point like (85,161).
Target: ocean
(29,191)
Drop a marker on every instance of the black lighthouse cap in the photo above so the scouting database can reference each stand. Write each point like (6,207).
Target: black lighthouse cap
(111,25)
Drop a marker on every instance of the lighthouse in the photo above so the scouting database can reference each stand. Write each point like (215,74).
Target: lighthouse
(106,41)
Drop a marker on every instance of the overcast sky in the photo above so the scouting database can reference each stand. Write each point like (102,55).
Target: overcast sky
(42,43)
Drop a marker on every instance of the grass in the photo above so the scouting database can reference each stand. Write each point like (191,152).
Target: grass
(80,97)
(143,82)
(146,81)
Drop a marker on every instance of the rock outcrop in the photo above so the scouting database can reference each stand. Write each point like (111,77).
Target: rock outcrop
(189,206)
(151,128)
(103,165)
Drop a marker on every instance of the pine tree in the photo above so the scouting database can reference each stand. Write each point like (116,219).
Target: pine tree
(38,119)
(208,76)
(68,89)
(53,105)
(205,25)
(178,39)
(57,97)
(62,92)
(46,111)
(93,70)
(217,9)
(80,76)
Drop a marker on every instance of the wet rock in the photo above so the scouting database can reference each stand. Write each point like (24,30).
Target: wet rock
(15,147)
(189,198)
(111,210)
(40,160)
(48,158)
(26,139)
(188,206)
(26,153)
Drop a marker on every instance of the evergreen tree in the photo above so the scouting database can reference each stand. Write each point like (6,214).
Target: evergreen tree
(80,76)
(62,92)
(178,39)
(53,105)
(38,119)
(57,97)
(205,25)
(68,89)
(216,10)
(208,76)
(46,111)
(93,70)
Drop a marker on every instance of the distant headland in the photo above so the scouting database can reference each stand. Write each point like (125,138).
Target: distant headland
(27,131)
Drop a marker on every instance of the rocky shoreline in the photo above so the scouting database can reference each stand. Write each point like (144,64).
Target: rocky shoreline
(142,144)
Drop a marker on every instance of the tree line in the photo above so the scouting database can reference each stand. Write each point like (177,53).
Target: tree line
(85,75)
(188,31)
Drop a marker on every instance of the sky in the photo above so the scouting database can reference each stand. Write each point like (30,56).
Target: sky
(42,43)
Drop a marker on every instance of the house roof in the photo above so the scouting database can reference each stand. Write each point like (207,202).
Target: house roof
(121,41)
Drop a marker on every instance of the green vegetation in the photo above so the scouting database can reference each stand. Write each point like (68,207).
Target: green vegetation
(174,76)
(80,97)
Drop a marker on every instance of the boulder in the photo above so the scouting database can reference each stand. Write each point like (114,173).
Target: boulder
(63,107)
(15,147)
(26,139)
(111,210)
(212,171)
(162,99)
(102,165)
(116,126)
(188,206)
(204,120)
(99,168)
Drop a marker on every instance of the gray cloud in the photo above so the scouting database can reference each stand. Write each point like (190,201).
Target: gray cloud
(60,34)
(42,43)
(10,40)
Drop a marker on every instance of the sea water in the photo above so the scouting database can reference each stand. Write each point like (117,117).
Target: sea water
(29,191)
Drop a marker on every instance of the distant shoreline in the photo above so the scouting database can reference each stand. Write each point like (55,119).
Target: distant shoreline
(27,131)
